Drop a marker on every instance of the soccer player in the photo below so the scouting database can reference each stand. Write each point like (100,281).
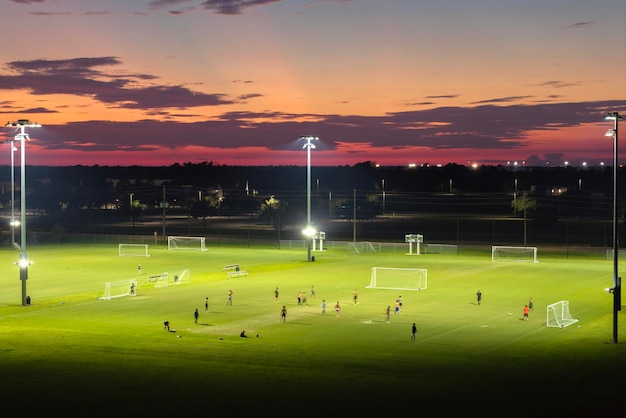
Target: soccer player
(479,297)
(397,309)
(283,314)
(139,268)
(206,304)
(323,306)
(530,304)
(230,298)
(388,313)
(276,295)
(355,296)
(196,314)
(526,309)
(312,292)
(413,332)
(337,309)
(166,325)
(299,298)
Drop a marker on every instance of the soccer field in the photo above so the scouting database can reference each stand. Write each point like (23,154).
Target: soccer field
(72,353)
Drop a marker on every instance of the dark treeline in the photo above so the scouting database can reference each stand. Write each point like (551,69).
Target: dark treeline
(279,193)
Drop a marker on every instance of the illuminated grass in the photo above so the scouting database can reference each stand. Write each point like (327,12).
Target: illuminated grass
(72,353)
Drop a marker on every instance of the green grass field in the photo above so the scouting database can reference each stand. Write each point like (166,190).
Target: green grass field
(71,354)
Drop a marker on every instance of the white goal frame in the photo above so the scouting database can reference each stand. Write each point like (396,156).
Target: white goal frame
(558,315)
(136,250)
(119,289)
(512,253)
(186,243)
(411,278)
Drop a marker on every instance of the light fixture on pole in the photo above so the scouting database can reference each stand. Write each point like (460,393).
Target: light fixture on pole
(309,231)
(23,264)
(617,285)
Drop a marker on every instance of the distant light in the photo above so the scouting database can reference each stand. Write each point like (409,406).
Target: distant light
(309,231)
(474,165)
(610,132)
(412,165)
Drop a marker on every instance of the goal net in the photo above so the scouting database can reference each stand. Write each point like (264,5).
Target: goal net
(119,289)
(171,278)
(361,247)
(398,278)
(503,253)
(558,315)
(137,250)
(186,243)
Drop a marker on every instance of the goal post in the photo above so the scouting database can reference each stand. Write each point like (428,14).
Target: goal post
(511,253)
(186,243)
(397,278)
(136,250)
(119,289)
(558,315)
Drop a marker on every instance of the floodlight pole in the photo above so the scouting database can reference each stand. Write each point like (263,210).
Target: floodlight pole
(23,264)
(617,285)
(13,149)
(309,231)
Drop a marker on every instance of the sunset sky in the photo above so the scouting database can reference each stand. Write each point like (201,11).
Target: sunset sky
(237,82)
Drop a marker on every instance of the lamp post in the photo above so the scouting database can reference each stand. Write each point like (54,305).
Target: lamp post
(309,231)
(13,222)
(617,286)
(23,264)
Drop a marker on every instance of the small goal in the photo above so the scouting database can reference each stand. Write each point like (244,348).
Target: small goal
(397,278)
(134,250)
(171,278)
(186,243)
(119,289)
(504,253)
(361,247)
(559,316)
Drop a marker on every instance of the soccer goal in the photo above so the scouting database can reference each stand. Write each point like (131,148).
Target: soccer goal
(172,278)
(361,247)
(186,243)
(558,315)
(136,250)
(397,278)
(504,253)
(119,289)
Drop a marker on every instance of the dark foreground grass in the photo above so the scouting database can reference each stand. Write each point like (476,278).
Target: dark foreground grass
(70,354)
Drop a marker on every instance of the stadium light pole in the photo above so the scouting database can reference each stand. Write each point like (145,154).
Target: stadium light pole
(309,231)
(13,223)
(617,286)
(23,264)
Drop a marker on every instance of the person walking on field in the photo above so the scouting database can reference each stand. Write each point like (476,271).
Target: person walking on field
(206,304)
(526,309)
(530,304)
(337,309)
(276,295)
(413,332)
(230,298)
(388,313)
(323,306)
(355,296)
(195,316)
(283,314)
(479,297)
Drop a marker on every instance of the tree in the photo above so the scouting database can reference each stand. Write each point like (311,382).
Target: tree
(524,204)
(272,208)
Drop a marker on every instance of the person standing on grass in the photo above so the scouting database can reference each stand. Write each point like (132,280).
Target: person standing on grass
(139,268)
(276,295)
(323,306)
(355,296)
(397,309)
(195,316)
(388,313)
(206,304)
(312,292)
(526,309)
(479,297)
(283,314)
(166,325)
(337,309)
(400,302)
(530,304)
(413,332)
(230,298)
(299,298)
